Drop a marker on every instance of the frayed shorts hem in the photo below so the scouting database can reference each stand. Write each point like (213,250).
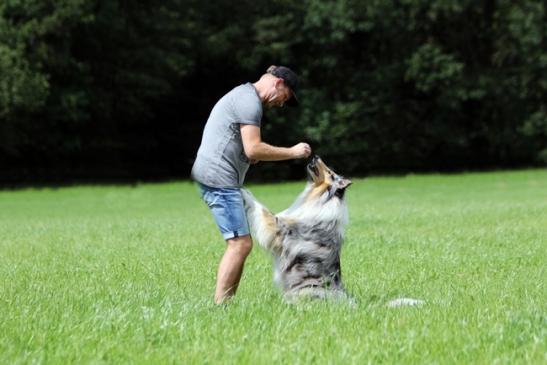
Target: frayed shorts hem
(227,208)
(235,234)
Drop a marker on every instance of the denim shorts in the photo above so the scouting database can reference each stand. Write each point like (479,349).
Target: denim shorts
(226,204)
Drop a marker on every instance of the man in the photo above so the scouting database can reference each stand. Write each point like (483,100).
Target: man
(231,141)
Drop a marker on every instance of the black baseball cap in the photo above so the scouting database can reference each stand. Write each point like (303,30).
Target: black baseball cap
(289,78)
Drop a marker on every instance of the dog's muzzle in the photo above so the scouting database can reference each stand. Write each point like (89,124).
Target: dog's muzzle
(312,165)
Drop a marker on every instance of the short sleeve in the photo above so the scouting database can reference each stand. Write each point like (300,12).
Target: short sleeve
(247,109)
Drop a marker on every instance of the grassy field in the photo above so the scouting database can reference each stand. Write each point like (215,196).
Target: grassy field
(125,274)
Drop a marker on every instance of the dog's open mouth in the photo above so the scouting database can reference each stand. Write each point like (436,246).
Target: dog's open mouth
(340,193)
(313,169)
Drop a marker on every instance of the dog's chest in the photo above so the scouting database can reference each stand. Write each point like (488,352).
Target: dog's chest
(310,257)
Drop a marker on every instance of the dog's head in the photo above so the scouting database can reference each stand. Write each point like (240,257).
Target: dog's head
(325,181)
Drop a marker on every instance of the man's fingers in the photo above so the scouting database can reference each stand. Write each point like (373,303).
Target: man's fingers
(302,150)
(307,149)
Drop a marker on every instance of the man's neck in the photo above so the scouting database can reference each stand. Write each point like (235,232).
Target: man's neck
(262,86)
(260,90)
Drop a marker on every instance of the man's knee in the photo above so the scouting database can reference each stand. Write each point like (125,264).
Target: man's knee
(241,245)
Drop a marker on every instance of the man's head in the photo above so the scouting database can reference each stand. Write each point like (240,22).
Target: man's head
(282,84)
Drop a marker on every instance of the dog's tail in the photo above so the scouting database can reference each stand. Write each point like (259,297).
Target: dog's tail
(402,302)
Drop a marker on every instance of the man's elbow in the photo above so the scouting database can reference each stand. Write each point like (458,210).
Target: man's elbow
(251,153)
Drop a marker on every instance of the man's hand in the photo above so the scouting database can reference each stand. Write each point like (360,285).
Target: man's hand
(301,150)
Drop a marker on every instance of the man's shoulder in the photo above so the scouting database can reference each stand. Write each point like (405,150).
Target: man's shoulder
(246,99)
(246,91)
(241,105)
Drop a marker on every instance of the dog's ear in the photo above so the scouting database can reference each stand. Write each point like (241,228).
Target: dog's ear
(344,183)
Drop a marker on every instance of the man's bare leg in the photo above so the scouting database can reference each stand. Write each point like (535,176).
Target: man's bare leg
(231,267)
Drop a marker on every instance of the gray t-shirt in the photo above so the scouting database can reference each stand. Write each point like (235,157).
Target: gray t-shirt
(221,161)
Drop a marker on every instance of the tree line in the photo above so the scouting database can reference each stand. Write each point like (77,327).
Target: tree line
(117,89)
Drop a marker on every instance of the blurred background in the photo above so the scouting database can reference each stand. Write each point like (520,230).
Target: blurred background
(119,90)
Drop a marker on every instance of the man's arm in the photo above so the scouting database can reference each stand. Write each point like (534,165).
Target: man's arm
(255,149)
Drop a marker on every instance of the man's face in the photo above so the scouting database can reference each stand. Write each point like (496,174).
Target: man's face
(279,96)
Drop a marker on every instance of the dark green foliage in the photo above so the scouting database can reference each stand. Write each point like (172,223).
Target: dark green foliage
(92,89)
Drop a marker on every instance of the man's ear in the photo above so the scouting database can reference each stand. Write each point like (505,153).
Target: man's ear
(278,82)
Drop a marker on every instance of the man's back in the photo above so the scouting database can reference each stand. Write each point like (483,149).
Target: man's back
(221,160)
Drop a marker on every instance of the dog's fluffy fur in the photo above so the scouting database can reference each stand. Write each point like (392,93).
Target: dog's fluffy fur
(305,240)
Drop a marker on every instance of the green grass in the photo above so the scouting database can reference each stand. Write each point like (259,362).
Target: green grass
(122,274)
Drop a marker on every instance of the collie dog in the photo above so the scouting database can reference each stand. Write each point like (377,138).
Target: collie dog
(305,239)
